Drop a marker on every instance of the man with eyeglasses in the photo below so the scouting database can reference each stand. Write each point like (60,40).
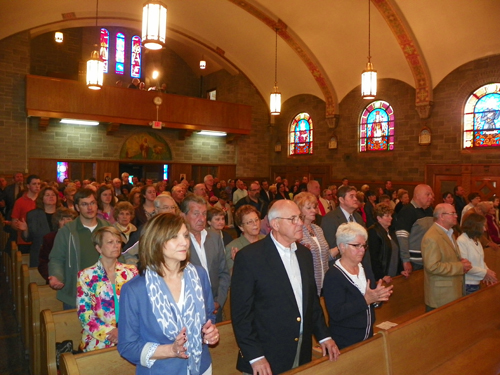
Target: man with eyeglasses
(253,199)
(444,268)
(207,250)
(275,307)
(73,249)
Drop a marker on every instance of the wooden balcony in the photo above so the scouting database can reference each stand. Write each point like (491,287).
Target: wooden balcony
(49,98)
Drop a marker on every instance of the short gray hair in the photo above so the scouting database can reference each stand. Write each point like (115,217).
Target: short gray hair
(275,211)
(347,232)
(191,198)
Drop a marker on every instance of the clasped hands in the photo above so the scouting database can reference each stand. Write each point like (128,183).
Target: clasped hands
(210,336)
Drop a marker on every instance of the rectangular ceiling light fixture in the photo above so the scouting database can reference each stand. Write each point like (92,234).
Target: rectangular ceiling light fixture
(78,122)
(212,133)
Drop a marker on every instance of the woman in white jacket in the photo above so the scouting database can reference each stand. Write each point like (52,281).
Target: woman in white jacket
(471,249)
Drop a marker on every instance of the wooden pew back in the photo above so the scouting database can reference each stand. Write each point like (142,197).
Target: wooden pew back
(39,298)
(98,362)
(365,358)
(57,327)
(28,275)
(420,345)
(406,302)
(20,259)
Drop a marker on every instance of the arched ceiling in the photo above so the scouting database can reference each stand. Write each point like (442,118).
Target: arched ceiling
(322,46)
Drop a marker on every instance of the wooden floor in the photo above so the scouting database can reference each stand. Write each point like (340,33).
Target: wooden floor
(13,360)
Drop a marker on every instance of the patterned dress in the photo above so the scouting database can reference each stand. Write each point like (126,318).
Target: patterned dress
(95,301)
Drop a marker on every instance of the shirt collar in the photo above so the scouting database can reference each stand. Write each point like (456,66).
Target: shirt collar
(280,247)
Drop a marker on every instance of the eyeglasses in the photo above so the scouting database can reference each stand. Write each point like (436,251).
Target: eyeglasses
(358,246)
(450,213)
(294,219)
(250,222)
(89,204)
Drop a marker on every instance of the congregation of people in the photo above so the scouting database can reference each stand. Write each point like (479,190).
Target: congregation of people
(160,260)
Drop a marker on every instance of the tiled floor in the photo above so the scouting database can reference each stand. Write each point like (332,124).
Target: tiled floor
(13,360)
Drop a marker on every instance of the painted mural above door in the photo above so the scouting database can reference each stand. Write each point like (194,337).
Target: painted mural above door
(145,146)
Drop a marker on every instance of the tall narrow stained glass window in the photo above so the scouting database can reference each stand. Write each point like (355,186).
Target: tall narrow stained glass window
(376,127)
(135,57)
(120,53)
(301,135)
(104,48)
(482,117)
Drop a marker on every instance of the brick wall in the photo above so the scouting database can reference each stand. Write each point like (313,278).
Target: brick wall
(253,151)
(14,65)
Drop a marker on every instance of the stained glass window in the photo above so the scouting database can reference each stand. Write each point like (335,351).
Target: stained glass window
(301,135)
(62,171)
(120,53)
(482,117)
(376,128)
(135,57)
(104,50)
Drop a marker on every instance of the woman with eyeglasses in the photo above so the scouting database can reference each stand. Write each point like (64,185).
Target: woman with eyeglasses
(313,238)
(349,298)
(247,219)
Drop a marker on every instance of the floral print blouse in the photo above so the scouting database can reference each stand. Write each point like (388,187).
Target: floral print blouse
(95,301)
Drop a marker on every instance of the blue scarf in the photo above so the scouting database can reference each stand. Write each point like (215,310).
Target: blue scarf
(172,320)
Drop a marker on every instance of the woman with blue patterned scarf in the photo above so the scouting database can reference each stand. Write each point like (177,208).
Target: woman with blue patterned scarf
(166,315)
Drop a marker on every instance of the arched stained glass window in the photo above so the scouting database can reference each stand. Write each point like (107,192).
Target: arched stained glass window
(482,117)
(376,128)
(104,50)
(135,57)
(120,53)
(301,135)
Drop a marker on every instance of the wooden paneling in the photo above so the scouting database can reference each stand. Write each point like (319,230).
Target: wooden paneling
(48,97)
(481,178)
(104,166)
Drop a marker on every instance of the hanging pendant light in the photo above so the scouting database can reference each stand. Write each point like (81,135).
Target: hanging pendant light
(59,36)
(95,66)
(369,75)
(154,25)
(275,101)
(203,62)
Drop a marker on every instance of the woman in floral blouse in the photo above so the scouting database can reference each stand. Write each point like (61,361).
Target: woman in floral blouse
(98,291)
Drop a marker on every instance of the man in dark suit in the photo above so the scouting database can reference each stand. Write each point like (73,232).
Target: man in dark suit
(265,194)
(345,212)
(207,250)
(275,308)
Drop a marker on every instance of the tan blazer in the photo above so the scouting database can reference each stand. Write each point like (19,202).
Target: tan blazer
(443,271)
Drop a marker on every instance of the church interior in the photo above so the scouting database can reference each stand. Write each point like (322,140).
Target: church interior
(430,58)
(206,109)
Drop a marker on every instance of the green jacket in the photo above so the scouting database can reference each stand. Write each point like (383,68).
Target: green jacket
(65,259)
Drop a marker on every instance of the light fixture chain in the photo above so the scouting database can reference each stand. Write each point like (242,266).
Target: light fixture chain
(276,61)
(369,34)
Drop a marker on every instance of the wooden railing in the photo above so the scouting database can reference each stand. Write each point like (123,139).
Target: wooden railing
(50,98)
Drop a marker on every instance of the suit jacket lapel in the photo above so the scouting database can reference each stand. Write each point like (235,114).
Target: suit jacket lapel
(305,284)
(450,243)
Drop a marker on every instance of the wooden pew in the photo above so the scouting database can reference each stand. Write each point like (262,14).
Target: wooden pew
(20,259)
(57,327)
(12,267)
(367,357)
(98,362)
(39,298)
(451,339)
(406,302)
(225,353)
(28,275)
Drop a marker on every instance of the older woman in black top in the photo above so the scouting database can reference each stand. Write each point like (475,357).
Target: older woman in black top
(281,192)
(383,245)
(349,299)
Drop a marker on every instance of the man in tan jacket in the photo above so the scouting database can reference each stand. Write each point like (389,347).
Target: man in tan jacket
(444,268)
